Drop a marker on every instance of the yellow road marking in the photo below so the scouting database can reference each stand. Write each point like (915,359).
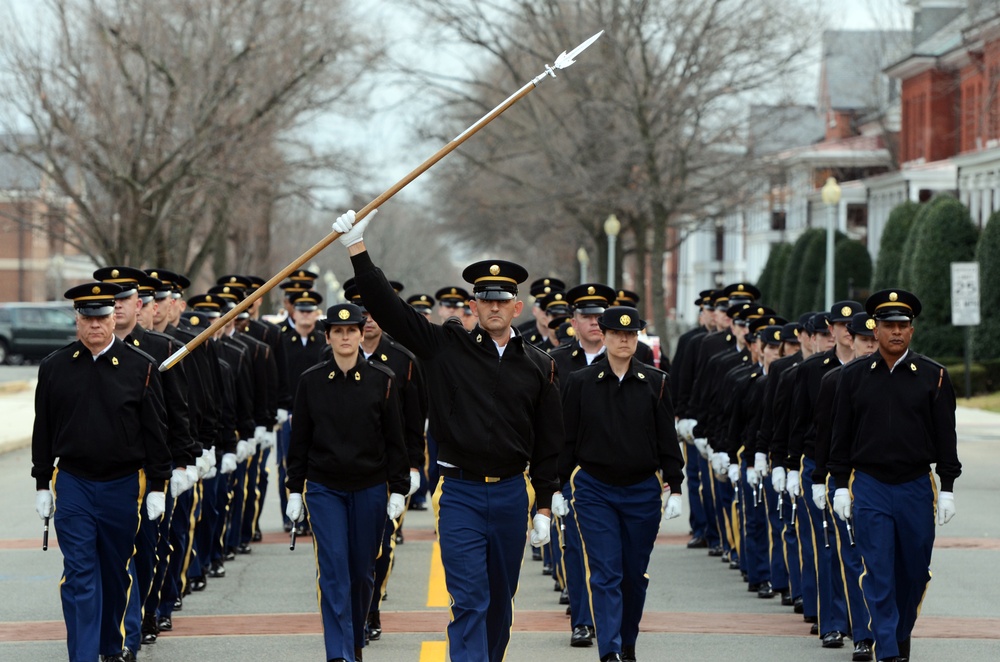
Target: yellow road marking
(437,591)
(433,651)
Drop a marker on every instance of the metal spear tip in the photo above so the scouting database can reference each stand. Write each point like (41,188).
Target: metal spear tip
(566,59)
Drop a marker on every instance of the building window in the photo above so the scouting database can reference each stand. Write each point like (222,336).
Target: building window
(778,220)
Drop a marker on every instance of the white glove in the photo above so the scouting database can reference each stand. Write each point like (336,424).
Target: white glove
(734,473)
(396,505)
(193,474)
(270,439)
(673,508)
(242,450)
(559,506)
(753,478)
(211,456)
(228,464)
(842,503)
(760,464)
(540,525)
(156,503)
(685,428)
(351,232)
(819,495)
(44,503)
(203,464)
(778,479)
(793,485)
(282,416)
(295,510)
(179,483)
(945,507)
(414,482)
(701,443)
(720,463)
(212,473)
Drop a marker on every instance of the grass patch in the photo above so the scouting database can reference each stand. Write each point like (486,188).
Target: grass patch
(989,402)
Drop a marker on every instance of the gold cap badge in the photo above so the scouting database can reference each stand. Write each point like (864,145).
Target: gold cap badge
(194,320)
(777,334)
(845,311)
(96,289)
(344,314)
(114,273)
(570,332)
(495,269)
(870,324)
(155,274)
(893,296)
(625,320)
(208,298)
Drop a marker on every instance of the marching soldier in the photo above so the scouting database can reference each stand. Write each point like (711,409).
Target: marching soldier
(895,417)
(620,456)
(643,352)
(494,406)
(536,330)
(346,451)
(99,411)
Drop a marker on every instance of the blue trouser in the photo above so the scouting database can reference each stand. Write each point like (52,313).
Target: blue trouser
(164,552)
(283,438)
(194,564)
(208,522)
(832,604)
(557,542)
(715,521)
(432,466)
(779,571)
(179,539)
(790,545)
(263,473)
(847,569)
(808,540)
(240,492)
(383,564)
(347,531)
(482,528)
(894,528)
(97,523)
(573,567)
(755,548)
(618,525)
(697,518)
(142,569)
(251,502)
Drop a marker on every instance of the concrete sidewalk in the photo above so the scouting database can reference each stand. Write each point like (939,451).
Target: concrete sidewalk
(17,406)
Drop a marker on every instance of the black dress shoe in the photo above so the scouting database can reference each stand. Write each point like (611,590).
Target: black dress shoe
(178,604)
(765,590)
(217,570)
(557,587)
(257,536)
(165,624)
(798,605)
(698,542)
(358,654)
(904,648)
(418,505)
(833,640)
(810,619)
(628,653)
(725,557)
(374,626)
(399,537)
(149,629)
(197,583)
(564,597)
(547,569)
(569,611)
(786,598)
(734,563)
(536,553)
(582,636)
(127,655)
(814,630)
(862,651)
(612,657)
(715,551)
(244,548)
(230,554)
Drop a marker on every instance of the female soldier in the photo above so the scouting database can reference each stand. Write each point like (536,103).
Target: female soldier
(346,448)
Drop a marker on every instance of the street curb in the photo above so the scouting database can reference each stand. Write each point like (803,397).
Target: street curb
(14,445)
(16,387)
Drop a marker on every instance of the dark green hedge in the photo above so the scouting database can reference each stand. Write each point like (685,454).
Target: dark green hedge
(769,283)
(790,278)
(890,249)
(986,336)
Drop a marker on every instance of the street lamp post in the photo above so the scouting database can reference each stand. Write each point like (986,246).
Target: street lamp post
(584,260)
(831,197)
(612,226)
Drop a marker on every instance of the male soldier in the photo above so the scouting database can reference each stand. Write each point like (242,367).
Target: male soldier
(895,416)
(589,302)
(536,330)
(303,344)
(495,406)
(183,448)
(833,616)
(696,517)
(423,303)
(621,455)
(451,301)
(99,412)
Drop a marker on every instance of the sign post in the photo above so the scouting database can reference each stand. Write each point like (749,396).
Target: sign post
(965,308)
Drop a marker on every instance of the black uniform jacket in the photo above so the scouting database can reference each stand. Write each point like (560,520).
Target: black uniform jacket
(299,357)
(769,416)
(490,415)
(893,426)
(621,433)
(104,419)
(347,433)
(802,433)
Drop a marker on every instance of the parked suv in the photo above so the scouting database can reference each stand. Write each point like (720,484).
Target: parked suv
(32,331)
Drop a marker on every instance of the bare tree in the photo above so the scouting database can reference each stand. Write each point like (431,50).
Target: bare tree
(650,125)
(177,126)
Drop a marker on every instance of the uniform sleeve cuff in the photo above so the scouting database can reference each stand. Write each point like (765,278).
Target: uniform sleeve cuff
(947,484)
(362,263)
(42,483)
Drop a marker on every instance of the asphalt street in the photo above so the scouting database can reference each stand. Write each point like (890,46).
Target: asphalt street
(697,609)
